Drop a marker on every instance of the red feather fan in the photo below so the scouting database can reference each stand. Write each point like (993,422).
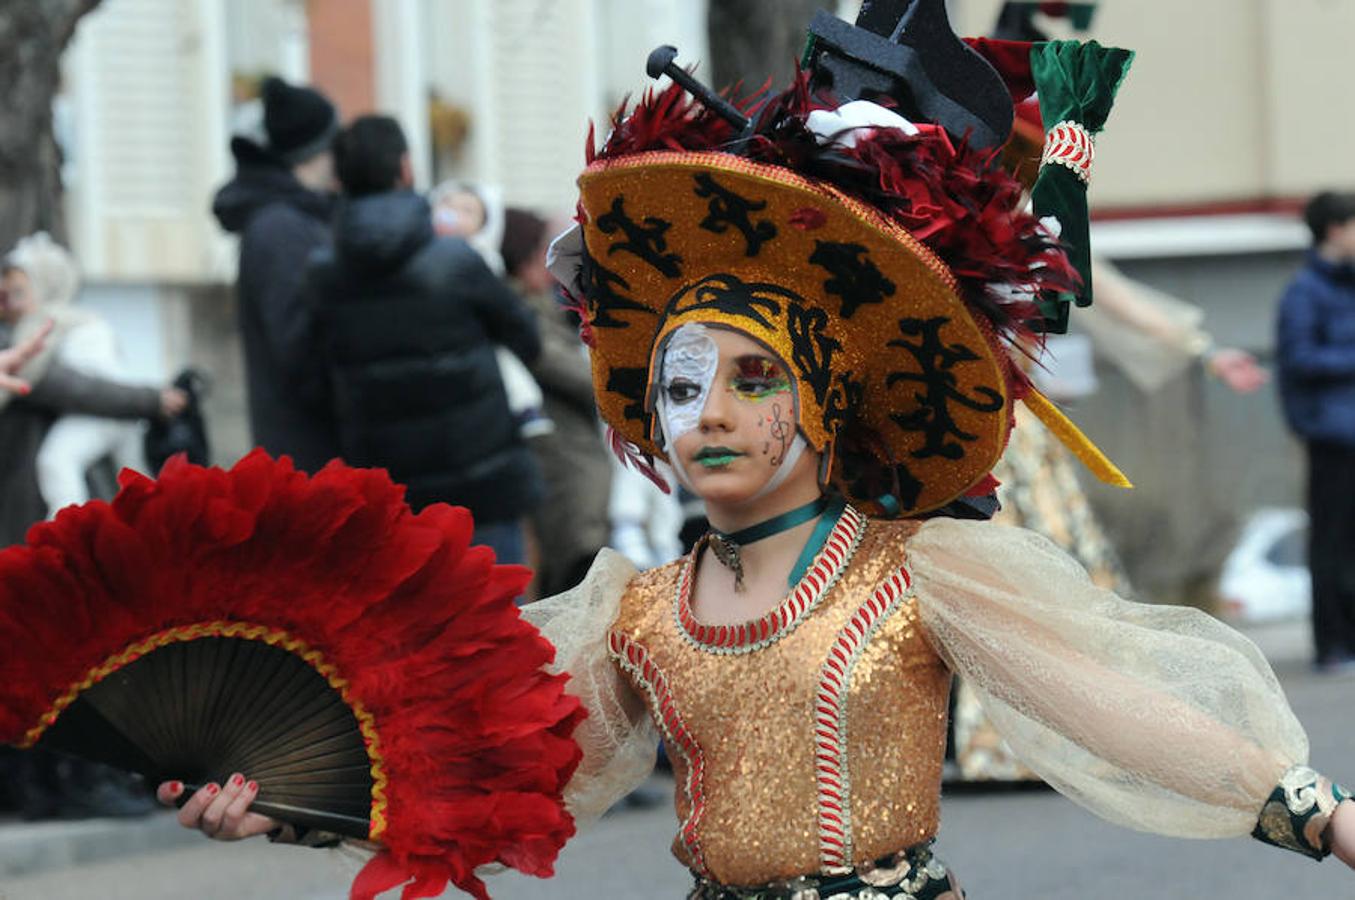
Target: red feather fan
(470,743)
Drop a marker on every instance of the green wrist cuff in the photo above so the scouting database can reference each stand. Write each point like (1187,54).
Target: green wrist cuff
(1296,814)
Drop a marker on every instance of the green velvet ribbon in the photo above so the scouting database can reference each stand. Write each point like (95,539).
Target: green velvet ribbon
(1076,82)
(832,512)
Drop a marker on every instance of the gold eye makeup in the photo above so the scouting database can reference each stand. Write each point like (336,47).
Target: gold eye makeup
(758,378)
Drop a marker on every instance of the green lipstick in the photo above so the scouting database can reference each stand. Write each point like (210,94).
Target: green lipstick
(715,457)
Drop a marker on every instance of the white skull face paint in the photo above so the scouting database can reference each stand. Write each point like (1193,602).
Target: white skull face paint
(687,372)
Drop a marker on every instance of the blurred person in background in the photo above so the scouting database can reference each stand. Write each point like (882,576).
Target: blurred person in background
(46,280)
(1315,346)
(571,525)
(409,321)
(49,438)
(646,522)
(280,203)
(12,359)
(68,413)
(476,214)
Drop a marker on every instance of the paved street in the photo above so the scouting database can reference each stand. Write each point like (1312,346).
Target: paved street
(1009,845)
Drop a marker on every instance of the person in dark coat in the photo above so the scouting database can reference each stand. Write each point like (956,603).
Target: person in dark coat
(280,203)
(410,321)
(1315,344)
(571,526)
(39,784)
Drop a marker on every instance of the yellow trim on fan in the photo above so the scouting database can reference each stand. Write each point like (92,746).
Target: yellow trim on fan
(1073,438)
(273,636)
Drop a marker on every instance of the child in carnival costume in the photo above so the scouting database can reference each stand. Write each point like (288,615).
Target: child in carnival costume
(810,309)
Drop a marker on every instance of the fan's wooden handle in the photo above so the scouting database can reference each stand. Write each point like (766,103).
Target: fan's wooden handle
(348,826)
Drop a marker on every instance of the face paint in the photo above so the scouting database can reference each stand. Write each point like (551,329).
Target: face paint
(758,379)
(689,364)
(780,431)
(792,456)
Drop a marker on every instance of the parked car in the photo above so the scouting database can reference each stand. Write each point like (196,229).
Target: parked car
(1265,578)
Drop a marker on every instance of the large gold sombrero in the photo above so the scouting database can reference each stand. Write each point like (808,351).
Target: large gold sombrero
(889,361)
(886,258)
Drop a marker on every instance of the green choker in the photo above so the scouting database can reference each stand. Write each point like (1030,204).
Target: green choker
(726,545)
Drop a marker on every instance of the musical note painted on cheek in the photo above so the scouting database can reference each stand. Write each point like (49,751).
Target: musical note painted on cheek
(782,431)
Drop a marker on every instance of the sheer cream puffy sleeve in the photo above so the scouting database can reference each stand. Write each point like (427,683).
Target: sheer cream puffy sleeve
(618,740)
(1159,718)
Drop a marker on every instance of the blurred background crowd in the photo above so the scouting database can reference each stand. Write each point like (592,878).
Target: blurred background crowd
(320,227)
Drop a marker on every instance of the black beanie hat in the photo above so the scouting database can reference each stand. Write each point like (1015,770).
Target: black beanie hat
(299,121)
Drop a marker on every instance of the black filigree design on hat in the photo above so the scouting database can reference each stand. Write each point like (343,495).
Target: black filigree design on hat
(643,239)
(811,347)
(630,382)
(852,276)
(907,487)
(733,296)
(937,389)
(600,288)
(843,402)
(729,208)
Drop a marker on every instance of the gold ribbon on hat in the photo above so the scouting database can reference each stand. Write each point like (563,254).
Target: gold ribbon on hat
(1072,437)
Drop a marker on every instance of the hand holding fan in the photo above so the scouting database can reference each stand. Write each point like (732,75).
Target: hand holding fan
(364,664)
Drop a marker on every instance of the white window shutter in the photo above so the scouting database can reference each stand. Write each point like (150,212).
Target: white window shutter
(543,85)
(148,94)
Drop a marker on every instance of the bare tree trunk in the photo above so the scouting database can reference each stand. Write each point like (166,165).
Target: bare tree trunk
(33,34)
(753,40)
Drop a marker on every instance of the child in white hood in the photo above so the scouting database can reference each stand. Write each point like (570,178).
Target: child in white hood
(475,214)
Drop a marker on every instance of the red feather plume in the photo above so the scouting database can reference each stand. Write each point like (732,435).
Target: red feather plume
(633,456)
(956,199)
(474,737)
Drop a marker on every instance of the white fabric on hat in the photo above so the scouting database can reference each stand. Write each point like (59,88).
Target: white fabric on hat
(850,121)
(564,259)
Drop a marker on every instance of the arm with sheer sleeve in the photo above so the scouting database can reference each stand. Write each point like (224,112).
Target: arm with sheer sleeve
(1159,718)
(618,739)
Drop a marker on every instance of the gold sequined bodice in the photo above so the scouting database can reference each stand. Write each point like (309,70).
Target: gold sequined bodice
(810,740)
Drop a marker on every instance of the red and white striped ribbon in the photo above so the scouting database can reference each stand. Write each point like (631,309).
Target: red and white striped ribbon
(1070,144)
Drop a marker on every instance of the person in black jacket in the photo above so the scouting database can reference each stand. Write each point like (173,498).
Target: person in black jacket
(410,320)
(280,203)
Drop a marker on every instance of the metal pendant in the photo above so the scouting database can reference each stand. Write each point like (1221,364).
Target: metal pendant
(727,552)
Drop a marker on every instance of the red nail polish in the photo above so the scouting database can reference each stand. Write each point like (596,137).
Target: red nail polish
(252,786)
(176,787)
(237,780)
(212,790)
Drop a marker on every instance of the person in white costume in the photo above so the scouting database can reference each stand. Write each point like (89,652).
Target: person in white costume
(42,281)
